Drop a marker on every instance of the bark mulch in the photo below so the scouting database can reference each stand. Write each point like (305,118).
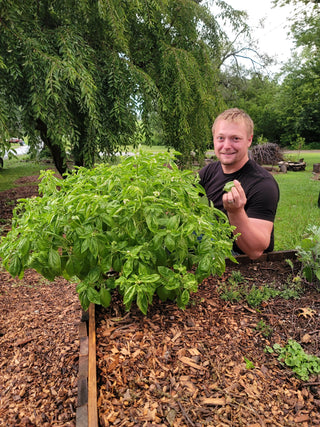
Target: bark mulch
(39,351)
(206,366)
(39,340)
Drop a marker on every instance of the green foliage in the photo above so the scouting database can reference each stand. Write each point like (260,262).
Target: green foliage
(298,144)
(249,364)
(230,292)
(308,253)
(293,356)
(232,289)
(285,107)
(228,186)
(298,100)
(141,219)
(257,295)
(236,278)
(293,288)
(257,95)
(86,72)
(237,289)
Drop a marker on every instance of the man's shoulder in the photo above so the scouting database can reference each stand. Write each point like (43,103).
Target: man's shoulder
(261,179)
(259,170)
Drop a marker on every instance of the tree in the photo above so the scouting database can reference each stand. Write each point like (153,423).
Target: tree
(298,101)
(85,71)
(256,94)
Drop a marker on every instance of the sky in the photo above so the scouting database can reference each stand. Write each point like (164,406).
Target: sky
(273,38)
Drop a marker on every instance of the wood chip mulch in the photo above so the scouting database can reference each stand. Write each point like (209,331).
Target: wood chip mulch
(39,351)
(39,339)
(206,366)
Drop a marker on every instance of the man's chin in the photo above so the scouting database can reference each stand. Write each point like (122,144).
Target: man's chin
(227,160)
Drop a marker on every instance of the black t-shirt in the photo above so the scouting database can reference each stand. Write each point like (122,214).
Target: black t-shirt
(260,187)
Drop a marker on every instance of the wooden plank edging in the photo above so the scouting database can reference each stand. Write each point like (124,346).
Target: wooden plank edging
(82,400)
(270,256)
(87,411)
(92,371)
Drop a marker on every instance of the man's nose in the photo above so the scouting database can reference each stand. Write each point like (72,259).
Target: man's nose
(227,143)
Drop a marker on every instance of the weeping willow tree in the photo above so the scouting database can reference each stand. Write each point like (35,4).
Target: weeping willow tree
(86,76)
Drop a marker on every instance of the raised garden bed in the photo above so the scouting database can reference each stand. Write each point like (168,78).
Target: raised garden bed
(201,366)
(206,365)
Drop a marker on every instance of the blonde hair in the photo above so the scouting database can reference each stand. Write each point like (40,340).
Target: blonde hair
(235,115)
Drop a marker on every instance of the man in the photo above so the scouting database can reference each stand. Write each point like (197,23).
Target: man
(252,203)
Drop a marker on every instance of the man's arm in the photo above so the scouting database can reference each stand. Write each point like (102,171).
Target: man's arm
(255,233)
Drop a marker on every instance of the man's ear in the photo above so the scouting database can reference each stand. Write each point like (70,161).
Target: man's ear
(250,140)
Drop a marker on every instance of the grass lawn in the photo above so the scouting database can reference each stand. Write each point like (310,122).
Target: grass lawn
(14,169)
(298,205)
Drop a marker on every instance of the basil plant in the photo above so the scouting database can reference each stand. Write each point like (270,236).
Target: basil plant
(140,227)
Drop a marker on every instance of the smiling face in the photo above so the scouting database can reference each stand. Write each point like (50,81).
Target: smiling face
(231,140)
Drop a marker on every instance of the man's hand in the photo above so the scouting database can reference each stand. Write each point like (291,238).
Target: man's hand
(235,199)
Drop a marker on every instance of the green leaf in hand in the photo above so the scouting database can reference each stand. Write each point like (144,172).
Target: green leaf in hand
(228,186)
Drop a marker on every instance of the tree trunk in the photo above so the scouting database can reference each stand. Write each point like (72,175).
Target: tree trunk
(57,152)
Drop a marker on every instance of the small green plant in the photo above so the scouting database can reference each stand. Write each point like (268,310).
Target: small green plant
(309,254)
(235,289)
(261,140)
(257,295)
(290,263)
(292,289)
(249,364)
(232,291)
(265,329)
(141,219)
(236,278)
(298,144)
(293,356)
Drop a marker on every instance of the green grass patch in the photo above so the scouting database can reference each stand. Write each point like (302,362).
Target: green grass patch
(16,168)
(298,205)
(150,149)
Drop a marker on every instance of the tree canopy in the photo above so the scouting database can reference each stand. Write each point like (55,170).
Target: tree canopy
(298,101)
(285,107)
(95,74)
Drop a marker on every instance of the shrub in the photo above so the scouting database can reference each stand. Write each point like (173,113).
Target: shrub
(309,254)
(141,219)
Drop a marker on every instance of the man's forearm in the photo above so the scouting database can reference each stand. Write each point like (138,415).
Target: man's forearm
(254,233)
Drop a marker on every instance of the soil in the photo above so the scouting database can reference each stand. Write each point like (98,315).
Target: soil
(202,366)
